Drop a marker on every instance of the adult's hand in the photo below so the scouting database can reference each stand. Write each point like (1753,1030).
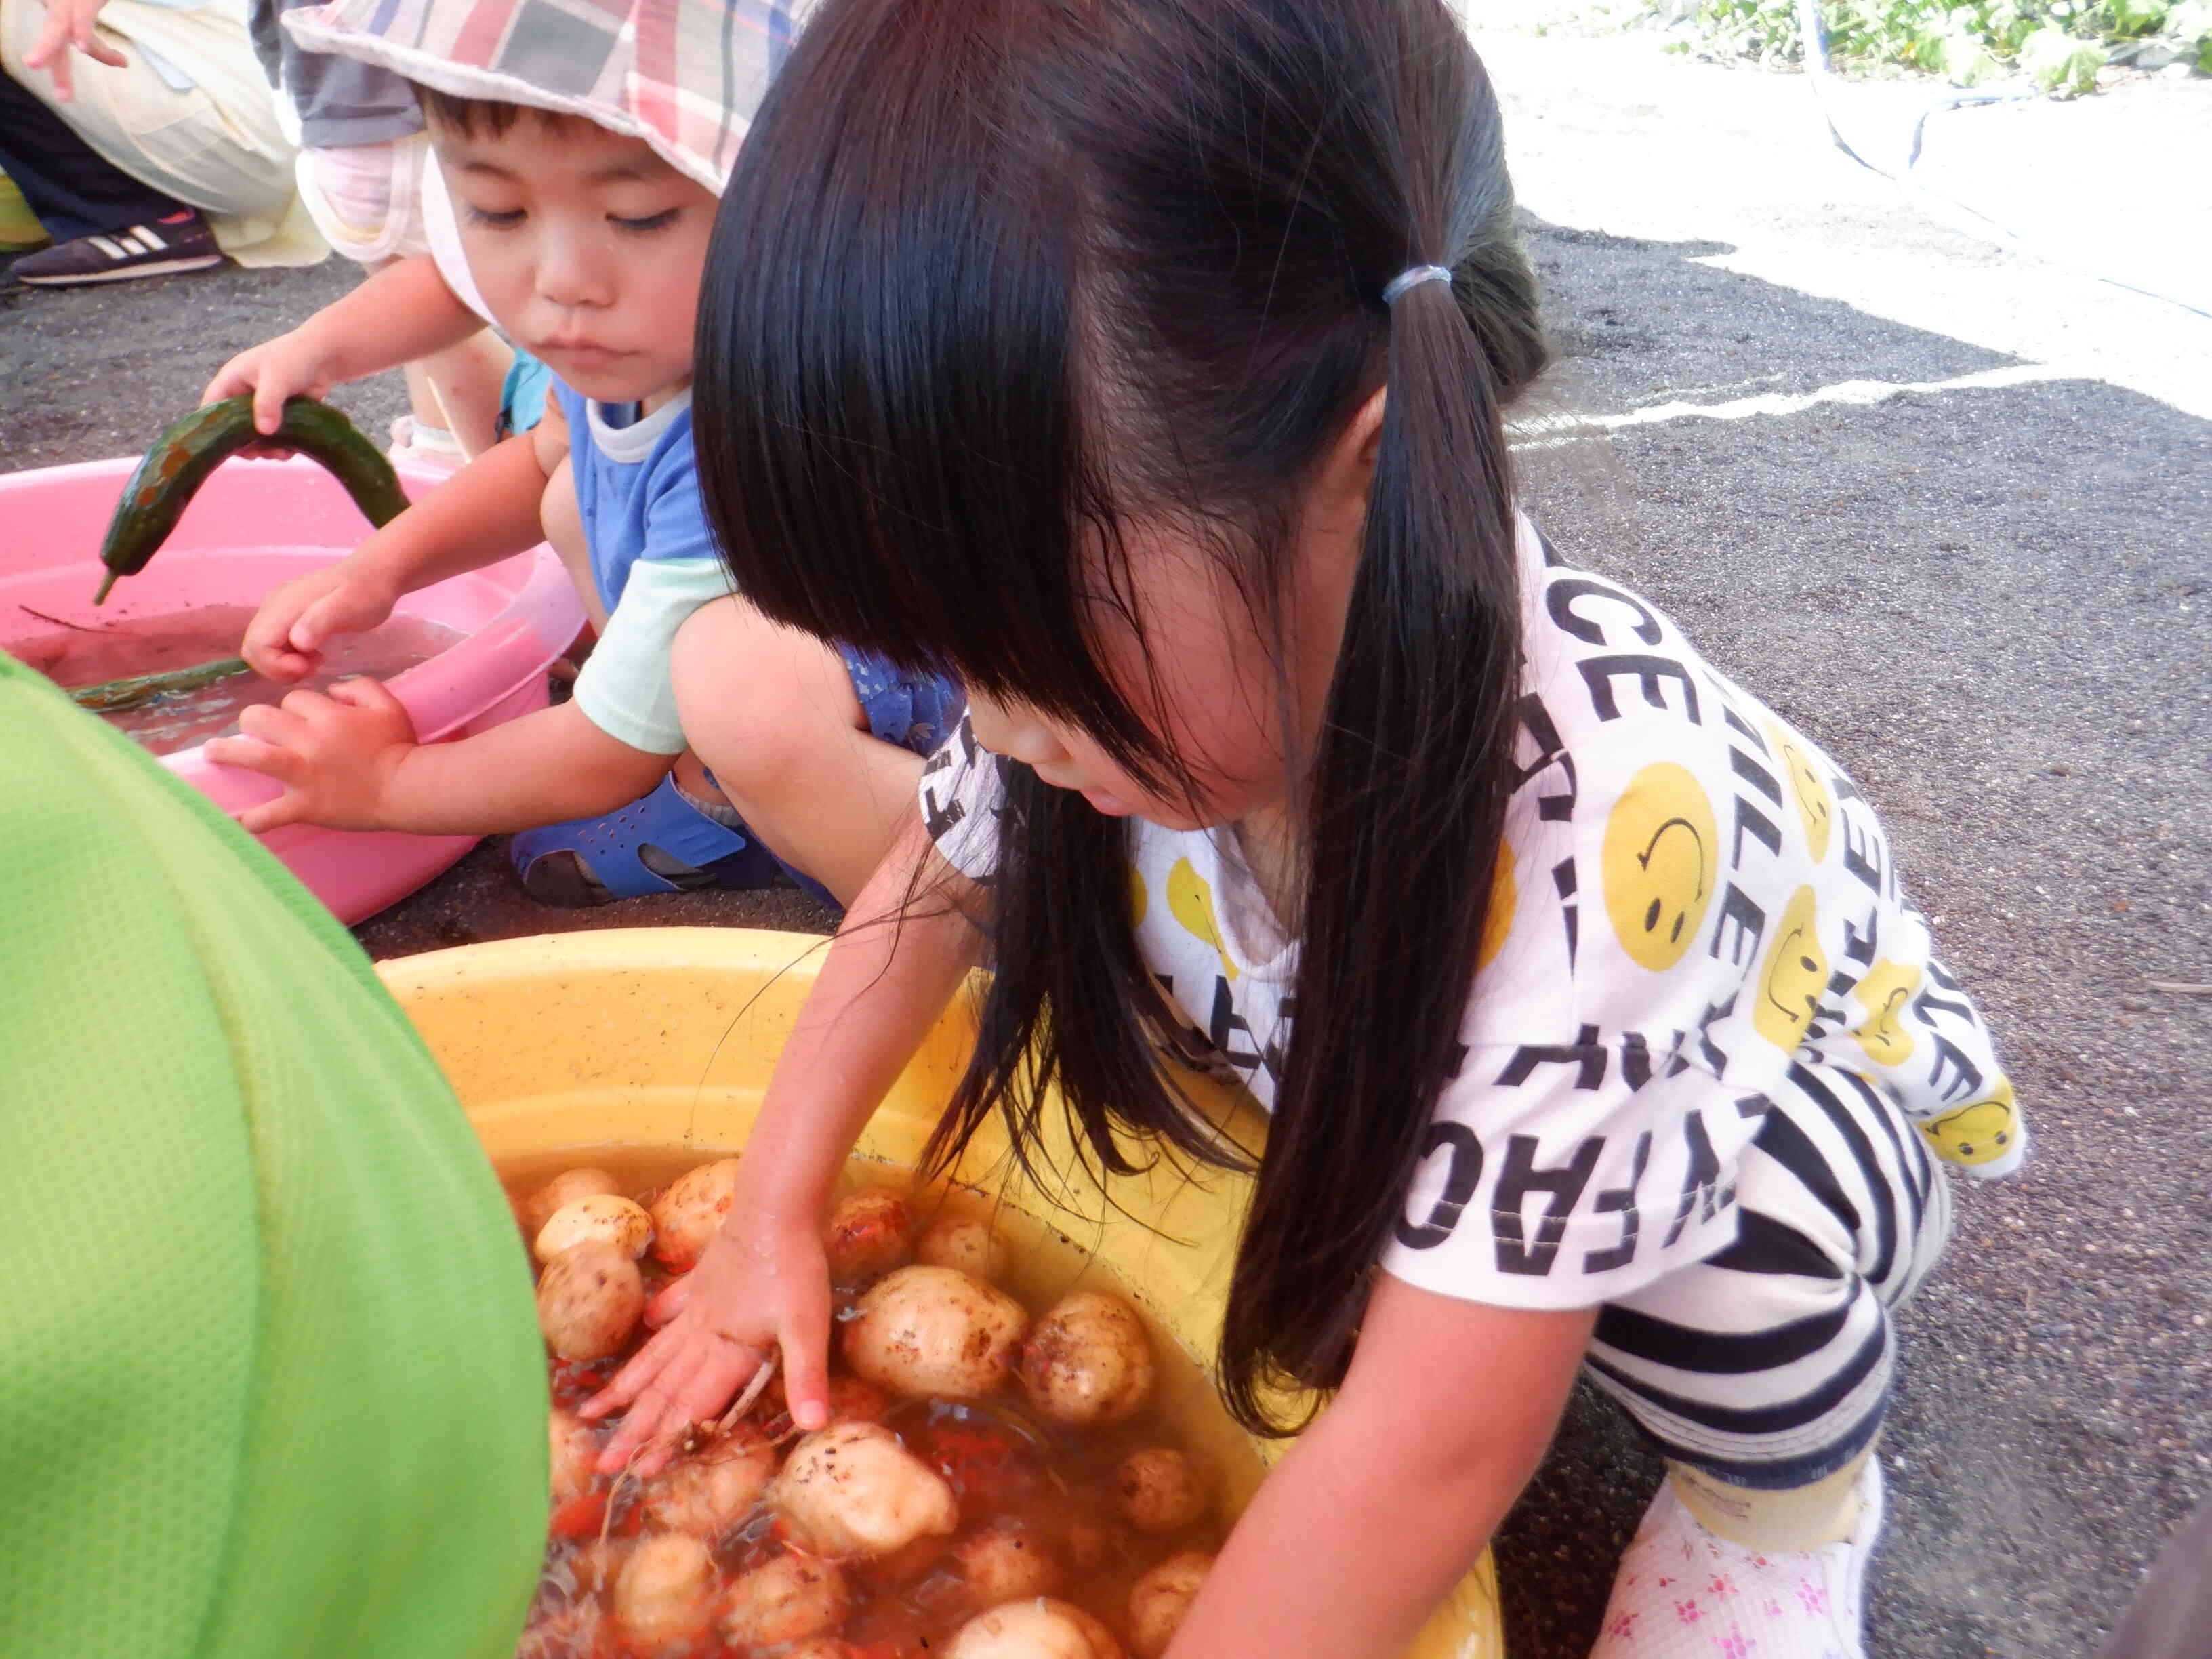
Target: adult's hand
(70,24)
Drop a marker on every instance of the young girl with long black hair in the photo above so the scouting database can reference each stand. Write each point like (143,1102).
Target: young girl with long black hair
(1142,363)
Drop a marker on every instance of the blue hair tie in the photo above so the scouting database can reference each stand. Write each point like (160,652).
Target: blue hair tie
(1412,276)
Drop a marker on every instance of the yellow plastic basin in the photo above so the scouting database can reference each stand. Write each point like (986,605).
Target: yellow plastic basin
(661,1037)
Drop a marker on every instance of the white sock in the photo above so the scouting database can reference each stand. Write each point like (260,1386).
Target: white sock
(1794,1519)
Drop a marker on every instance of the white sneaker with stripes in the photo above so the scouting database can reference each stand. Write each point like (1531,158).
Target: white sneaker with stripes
(180,242)
(1682,1592)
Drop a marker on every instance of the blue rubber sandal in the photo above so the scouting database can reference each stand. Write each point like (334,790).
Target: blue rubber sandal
(661,844)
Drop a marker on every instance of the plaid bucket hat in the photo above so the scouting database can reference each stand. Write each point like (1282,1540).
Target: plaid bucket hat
(685,76)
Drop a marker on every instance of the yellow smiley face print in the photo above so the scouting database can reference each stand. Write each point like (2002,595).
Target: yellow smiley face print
(1190,902)
(1887,988)
(1140,899)
(1816,807)
(1791,978)
(1661,861)
(1979,1134)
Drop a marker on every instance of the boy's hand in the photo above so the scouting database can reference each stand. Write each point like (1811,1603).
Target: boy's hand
(334,755)
(754,1291)
(293,365)
(284,642)
(70,23)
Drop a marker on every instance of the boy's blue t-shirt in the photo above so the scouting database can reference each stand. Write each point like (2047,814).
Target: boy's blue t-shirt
(651,556)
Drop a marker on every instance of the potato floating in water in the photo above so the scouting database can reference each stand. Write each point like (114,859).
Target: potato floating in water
(1005,1564)
(710,1490)
(786,1600)
(601,1216)
(1158,1601)
(686,1217)
(589,1300)
(971,1246)
(1088,1363)
(562,1191)
(1034,1630)
(867,1235)
(855,1490)
(575,1449)
(934,1330)
(1160,1490)
(665,1591)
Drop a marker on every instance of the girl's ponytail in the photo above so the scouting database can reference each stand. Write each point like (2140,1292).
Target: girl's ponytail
(1409,786)
(1407,803)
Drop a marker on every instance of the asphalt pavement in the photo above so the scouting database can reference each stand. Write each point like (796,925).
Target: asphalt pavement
(1944,503)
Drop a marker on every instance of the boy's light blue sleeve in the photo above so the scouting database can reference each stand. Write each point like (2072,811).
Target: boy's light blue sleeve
(624,688)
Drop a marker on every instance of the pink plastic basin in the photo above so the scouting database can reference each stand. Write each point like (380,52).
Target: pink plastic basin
(253,525)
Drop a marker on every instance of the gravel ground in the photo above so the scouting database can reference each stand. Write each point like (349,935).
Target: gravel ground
(1988,600)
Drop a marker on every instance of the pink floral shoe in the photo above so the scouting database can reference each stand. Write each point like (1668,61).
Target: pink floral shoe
(1683,1594)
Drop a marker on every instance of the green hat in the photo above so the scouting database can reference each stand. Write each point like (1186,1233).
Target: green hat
(270,1382)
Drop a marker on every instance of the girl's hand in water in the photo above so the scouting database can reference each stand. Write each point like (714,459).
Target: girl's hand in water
(284,642)
(334,755)
(756,1292)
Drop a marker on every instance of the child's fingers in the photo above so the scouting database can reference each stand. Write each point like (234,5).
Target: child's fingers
(669,1303)
(628,1383)
(651,1398)
(272,725)
(337,612)
(268,648)
(682,1376)
(364,693)
(805,1376)
(285,809)
(285,667)
(255,755)
(269,404)
(230,380)
(252,755)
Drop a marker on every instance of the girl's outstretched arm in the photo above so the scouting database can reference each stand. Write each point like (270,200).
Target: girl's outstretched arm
(1446,1410)
(763,1285)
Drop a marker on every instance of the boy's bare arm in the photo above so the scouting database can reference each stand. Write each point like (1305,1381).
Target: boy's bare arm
(487,511)
(348,760)
(404,312)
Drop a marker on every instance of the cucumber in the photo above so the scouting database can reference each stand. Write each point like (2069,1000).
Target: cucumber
(183,457)
(114,696)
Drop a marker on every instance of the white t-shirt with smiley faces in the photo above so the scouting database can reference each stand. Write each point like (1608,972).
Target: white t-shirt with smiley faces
(1694,900)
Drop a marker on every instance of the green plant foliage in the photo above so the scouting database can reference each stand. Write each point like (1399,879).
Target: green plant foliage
(2059,62)
(2059,44)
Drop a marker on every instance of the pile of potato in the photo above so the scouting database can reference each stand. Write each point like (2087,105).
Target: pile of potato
(980,1489)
